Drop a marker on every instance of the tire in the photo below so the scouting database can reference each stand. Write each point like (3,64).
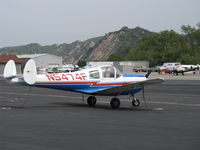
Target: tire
(115,103)
(135,102)
(91,100)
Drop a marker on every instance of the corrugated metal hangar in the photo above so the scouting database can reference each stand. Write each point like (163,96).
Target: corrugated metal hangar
(43,60)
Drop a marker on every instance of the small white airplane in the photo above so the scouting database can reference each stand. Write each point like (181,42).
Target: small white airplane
(104,80)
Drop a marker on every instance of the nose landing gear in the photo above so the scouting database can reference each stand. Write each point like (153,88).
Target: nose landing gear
(135,102)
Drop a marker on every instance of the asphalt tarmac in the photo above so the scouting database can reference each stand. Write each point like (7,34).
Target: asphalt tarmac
(60,120)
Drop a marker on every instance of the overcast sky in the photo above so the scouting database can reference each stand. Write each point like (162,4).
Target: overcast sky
(64,21)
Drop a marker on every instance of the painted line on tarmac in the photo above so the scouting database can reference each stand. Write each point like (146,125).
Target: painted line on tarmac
(75,97)
(193,95)
(172,103)
(13,93)
(182,83)
(31,94)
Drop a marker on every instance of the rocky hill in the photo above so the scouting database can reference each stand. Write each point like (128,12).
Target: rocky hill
(99,48)
(119,42)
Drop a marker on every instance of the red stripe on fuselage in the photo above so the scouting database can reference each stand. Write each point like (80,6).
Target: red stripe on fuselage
(65,83)
(78,83)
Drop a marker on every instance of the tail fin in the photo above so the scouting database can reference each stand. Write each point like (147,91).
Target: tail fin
(10,70)
(30,72)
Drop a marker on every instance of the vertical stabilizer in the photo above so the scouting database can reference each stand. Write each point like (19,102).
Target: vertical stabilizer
(30,72)
(10,70)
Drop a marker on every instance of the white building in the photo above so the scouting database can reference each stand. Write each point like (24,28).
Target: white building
(100,63)
(43,60)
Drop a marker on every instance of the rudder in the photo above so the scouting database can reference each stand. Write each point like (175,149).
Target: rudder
(30,72)
(10,70)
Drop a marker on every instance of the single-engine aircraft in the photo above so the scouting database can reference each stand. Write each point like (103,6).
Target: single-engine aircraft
(104,80)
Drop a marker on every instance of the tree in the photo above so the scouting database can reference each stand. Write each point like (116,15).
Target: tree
(116,57)
(188,30)
(168,46)
(81,63)
(158,48)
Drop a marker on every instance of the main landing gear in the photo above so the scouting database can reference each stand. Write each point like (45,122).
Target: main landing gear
(91,100)
(114,103)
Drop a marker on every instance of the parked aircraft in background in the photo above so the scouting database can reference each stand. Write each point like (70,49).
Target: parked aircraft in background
(104,80)
(177,68)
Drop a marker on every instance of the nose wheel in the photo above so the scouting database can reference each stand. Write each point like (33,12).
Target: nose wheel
(135,102)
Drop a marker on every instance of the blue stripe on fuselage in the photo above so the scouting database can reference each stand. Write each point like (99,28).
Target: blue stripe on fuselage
(132,75)
(86,88)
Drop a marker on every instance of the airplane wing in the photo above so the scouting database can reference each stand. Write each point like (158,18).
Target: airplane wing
(127,87)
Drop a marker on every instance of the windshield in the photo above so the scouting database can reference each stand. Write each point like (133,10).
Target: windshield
(108,72)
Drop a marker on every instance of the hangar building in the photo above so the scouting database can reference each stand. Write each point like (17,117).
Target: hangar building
(4,58)
(42,60)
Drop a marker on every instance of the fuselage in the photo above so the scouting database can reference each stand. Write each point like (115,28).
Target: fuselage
(89,80)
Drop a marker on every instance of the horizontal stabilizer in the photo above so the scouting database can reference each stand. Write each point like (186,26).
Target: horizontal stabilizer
(10,70)
(30,72)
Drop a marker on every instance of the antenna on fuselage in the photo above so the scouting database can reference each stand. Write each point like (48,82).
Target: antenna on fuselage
(148,73)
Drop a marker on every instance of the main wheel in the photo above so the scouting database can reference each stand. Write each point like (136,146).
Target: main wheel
(115,103)
(135,102)
(91,100)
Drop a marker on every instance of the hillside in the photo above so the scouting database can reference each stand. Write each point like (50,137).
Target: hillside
(119,42)
(98,48)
